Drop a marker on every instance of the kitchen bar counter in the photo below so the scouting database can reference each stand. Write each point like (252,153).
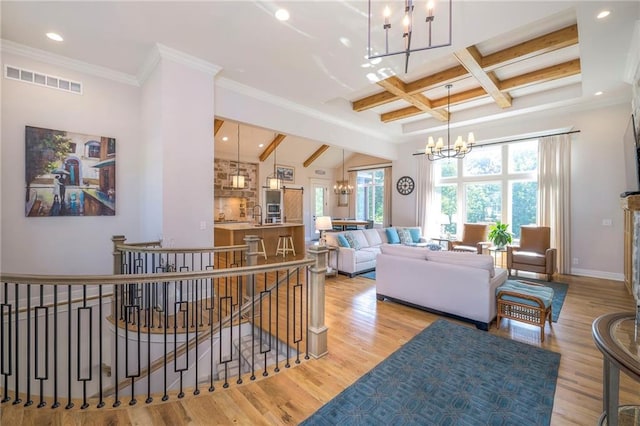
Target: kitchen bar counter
(231,234)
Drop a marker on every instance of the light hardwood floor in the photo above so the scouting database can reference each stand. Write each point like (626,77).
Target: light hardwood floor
(362,332)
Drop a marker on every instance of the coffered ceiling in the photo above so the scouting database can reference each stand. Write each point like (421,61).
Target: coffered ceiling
(507,58)
(493,76)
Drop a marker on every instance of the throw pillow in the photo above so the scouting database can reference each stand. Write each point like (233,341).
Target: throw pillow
(351,239)
(392,236)
(405,236)
(415,234)
(342,241)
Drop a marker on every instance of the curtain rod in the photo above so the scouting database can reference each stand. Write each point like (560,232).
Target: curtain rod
(518,140)
(369,167)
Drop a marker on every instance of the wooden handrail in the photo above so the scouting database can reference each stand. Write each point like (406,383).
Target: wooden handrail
(143,249)
(101,280)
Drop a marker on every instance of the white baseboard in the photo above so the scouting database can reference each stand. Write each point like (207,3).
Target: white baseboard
(615,276)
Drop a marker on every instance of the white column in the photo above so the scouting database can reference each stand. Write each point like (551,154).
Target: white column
(176,167)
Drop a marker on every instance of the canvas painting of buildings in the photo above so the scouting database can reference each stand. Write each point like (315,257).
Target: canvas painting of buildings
(69,174)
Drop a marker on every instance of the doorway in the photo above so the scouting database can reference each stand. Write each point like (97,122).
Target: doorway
(318,205)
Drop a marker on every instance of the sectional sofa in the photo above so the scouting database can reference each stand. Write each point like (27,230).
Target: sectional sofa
(357,249)
(460,285)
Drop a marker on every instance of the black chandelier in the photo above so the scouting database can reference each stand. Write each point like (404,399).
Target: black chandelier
(437,150)
(388,19)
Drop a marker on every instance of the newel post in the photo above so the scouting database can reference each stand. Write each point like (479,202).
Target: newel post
(252,260)
(117,253)
(317,329)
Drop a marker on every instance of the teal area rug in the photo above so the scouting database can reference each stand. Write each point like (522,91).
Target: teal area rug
(559,294)
(451,375)
(559,291)
(371,275)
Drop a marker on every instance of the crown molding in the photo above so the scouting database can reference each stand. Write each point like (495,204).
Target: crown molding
(7,46)
(160,51)
(292,106)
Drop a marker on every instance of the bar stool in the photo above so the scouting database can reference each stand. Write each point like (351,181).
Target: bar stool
(285,245)
(263,251)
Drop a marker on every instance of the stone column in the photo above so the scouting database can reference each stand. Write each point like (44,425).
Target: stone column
(317,344)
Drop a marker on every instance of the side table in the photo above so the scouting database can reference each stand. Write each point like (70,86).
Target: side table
(617,337)
(494,251)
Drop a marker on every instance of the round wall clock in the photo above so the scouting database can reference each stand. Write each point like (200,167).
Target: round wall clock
(405,185)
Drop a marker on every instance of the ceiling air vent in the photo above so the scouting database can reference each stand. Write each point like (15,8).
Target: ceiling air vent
(41,79)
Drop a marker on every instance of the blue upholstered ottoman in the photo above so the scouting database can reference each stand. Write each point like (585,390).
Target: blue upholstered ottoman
(524,301)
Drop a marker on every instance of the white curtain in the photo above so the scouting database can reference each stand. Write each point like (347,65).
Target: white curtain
(554,188)
(352,177)
(386,215)
(425,192)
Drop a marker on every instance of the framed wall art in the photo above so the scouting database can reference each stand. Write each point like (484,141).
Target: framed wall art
(69,174)
(285,173)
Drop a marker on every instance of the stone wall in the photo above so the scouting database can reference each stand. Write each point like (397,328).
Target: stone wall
(223,170)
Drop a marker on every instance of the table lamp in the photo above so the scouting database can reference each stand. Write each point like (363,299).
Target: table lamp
(323,223)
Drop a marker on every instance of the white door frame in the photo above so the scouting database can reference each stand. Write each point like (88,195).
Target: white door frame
(311,220)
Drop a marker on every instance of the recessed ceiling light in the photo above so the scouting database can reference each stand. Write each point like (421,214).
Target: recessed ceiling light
(603,14)
(225,138)
(598,93)
(261,145)
(55,37)
(282,15)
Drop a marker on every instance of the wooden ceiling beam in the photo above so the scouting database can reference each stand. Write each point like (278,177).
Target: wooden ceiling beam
(373,101)
(436,80)
(554,72)
(471,59)
(396,86)
(399,114)
(456,98)
(555,40)
(565,37)
(272,146)
(417,86)
(217,124)
(460,97)
(313,157)
(412,88)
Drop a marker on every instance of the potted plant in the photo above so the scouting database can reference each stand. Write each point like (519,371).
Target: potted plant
(499,235)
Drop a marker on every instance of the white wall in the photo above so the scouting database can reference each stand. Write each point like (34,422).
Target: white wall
(151,214)
(597,179)
(186,119)
(65,245)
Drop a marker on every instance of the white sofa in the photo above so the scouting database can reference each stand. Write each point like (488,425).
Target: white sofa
(352,261)
(460,285)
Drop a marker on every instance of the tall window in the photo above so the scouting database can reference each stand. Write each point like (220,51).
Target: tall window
(370,195)
(489,184)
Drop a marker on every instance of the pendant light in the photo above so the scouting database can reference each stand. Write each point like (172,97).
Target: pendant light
(342,187)
(237,181)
